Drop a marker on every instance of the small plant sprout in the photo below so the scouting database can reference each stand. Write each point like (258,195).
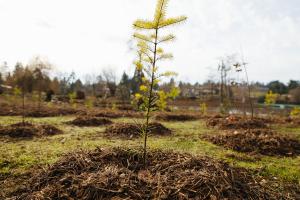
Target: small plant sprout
(271,98)
(114,106)
(239,67)
(203,108)
(153,53)
(20,92)
(72,97)
(295,112)
(89,103)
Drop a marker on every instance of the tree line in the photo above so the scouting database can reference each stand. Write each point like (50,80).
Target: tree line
(34,78)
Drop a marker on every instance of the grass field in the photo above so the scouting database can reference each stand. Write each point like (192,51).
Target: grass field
(19,156)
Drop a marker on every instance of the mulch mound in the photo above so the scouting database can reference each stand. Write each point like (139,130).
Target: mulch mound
(176,117)
(119,174)
(90,121)
(130,130)
(292,122)
(34,112)
(28,130)
(8,110)
(234,122)
(265,142)
(117,114)
(53,112)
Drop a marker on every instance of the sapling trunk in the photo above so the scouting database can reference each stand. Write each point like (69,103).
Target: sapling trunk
(23,106)
(249,92)
(150,96)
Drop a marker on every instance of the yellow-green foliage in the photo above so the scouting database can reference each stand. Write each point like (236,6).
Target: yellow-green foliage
(203,108)
(89,103)
(72,97)
(162,100)
(114,106)
(153,53)
(150,53)
(17,91)
(50,104)
(271,98)
(295,112)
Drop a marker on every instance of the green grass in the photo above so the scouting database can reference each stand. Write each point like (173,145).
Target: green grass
(18,156)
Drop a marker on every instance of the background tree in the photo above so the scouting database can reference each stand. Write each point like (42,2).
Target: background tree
(295,93)
(123,90)
(23,84)
(137,79)
(239,67)
(278,87)
(154,53)
(110,77)
(293,84)
(224,88)
(1,82)
(4,70)
(65,81)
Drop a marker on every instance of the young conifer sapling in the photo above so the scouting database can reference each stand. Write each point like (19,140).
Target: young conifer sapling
(153,54)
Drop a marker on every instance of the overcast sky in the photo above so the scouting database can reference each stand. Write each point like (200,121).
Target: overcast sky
(88,35)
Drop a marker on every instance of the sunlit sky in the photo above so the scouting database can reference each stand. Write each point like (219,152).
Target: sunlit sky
(86,36)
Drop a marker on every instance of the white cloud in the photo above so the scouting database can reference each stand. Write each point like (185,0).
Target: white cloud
(86,36)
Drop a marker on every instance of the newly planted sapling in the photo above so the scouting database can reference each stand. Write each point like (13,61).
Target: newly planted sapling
(295,112)
(203,108)
(153,54)
(72,97)
(238,68)
(270,98)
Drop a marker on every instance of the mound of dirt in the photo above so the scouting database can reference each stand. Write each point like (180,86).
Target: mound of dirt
(265,142)
(28,130)
(51,112)
(90,121)
(9,110)
(234,122)
(117,114)
(176,117)
(48,130)
(119,174)
(129,130)
(125,107)
(292,122)
(32,111)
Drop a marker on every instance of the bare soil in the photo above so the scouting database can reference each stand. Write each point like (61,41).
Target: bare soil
(263,141)
(118,174)
(28,130)
(89,121)
(130,130)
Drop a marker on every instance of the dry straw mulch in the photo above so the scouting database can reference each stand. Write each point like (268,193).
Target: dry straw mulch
(117,114)
(262,141)
(131,130)
(89,121)
(118,174)
(235,122)
(176,117)
(28,130)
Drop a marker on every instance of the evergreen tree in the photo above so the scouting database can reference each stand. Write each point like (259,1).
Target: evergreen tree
(123,90)
(1,82)
(153,53)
